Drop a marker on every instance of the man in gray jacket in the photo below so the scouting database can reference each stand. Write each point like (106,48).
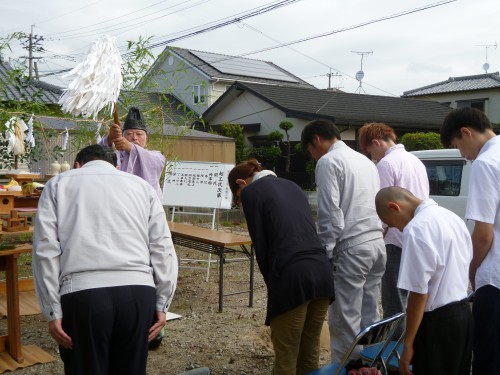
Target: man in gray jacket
(350,230)
(104,265)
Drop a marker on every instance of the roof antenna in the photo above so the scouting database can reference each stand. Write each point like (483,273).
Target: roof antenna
(360,74)
(330,75)
(486,66)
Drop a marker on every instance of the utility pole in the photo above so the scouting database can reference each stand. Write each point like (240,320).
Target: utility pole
(330,75)
(30,54)
(32,44)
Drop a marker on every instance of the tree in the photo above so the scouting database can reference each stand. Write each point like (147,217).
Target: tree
(235,131)
(157,109)
(310,165)
(266,155)
(276,137)
(421,141)
(17,78)
(286,126)
(137,62)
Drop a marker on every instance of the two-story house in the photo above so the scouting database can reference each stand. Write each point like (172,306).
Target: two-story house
(480,91)
(199,78)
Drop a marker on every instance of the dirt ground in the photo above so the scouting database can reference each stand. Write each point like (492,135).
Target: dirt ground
(232,342)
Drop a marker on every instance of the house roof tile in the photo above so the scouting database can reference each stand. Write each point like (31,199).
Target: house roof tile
(26,90)
(208,69)
(457,84)
(344,108)
(57,123)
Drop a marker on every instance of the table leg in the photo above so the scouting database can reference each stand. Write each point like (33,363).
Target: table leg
(250,298)
(220,250)
(13,319)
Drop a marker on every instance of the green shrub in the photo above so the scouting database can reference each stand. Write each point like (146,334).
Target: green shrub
(421,141)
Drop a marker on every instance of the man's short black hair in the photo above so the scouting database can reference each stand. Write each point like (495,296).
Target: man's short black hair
(324,129)
(96,152)
(463,117)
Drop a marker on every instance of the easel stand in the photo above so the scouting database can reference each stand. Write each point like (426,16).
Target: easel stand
(213,213)
(197,185)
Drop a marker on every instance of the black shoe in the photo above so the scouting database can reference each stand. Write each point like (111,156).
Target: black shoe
(155,344)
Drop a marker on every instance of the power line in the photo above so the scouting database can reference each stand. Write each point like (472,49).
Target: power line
(56,76)
(108,20)
(182,32)
(65,14)
(253,13)
(261,10)
(287,44)
(59,16)
(291,48)
(348,28)
(126,24)
(329,75)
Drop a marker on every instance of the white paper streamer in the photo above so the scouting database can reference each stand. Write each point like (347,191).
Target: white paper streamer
(97,80)
(65,140)
(14,132)
(30,138)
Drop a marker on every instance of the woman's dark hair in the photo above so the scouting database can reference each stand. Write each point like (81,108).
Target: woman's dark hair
(241,171)
(463,117)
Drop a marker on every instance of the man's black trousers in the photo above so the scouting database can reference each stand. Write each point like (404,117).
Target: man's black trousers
(443,344)
(109,330)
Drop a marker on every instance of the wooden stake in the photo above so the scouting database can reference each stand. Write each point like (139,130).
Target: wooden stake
(116,118)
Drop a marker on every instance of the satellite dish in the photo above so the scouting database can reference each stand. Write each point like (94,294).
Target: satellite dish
(359,75)
(486,66)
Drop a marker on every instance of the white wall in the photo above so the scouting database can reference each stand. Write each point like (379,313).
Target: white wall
(492,105)
(248,109)
(218,88)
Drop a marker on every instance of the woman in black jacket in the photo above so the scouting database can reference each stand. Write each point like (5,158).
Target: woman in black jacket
(292,261)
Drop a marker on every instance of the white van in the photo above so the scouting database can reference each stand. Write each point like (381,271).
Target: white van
(448,174)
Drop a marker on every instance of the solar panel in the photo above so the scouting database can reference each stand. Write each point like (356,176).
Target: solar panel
(243,67)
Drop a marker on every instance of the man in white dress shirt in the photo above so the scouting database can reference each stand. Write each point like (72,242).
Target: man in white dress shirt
(469,130)
(437,249)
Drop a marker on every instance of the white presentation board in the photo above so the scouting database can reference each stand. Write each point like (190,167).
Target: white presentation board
(197,184)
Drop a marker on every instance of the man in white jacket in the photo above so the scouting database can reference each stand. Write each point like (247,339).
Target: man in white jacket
(104,265)
(350,230)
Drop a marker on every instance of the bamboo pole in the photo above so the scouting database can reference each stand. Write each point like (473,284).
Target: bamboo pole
(116,118)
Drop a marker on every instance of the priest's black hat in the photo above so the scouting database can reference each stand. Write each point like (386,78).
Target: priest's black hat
(134,120)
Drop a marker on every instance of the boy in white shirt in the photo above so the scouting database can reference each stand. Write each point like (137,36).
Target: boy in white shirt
(437,250)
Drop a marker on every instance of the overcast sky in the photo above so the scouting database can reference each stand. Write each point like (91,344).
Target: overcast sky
(410,51)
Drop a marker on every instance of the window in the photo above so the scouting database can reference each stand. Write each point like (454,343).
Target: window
(198,94)
(473,103)
(444,176)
